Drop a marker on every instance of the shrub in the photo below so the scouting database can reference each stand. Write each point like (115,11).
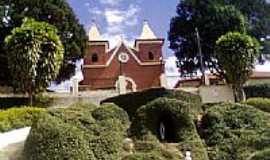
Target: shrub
(263,155)
(233,131)
(180,124)
(132,101)
(258,90)
(82,131)
(260,103)
(39,101)
(148,118)
(15,118)
(53,139)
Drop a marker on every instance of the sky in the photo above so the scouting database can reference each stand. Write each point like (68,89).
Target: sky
(117,18)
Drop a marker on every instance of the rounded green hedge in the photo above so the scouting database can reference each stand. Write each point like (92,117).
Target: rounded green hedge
(260,103)
(81,132)
(258,90)
(233,131)
(263,155)
(15,118)
(132,101)
(148,118)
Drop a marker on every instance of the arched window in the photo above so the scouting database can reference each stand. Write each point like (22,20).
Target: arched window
(150,56)
(94,58)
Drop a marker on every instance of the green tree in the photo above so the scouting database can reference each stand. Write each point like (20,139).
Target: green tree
(35,56)
(57,13)
(237,54)
(212,21)
(197,13)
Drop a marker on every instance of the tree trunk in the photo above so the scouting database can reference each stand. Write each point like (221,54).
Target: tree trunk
(30,97)
(239,94)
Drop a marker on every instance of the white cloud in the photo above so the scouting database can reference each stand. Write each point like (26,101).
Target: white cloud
(114,16)
(118,21)
(95,11)
(111,2)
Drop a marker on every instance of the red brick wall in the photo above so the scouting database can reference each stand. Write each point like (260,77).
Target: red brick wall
(144,50)
(100,50)
(106,77)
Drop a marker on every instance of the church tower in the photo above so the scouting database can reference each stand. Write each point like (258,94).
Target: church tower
(148,45)
(97,47)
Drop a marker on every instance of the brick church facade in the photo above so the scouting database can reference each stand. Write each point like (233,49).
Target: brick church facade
(134,68)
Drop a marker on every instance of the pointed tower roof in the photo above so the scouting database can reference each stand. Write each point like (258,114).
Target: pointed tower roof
(94,34)
(147,32)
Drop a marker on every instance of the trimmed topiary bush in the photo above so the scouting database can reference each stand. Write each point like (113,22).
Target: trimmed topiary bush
(234,131)
(81,132)
(132,101)
(149,117)
(260,103)
(257,90)
(15,118)
(179,125)
(263,155)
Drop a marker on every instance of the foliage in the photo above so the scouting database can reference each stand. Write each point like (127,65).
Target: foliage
(258,90)
(79,132)
(132,101)
(55,12)
(181,128)
(259,103)
(18,117)
(38,101)
(35,56)
(263,155)
(235,131)
(237,54)
(212,20)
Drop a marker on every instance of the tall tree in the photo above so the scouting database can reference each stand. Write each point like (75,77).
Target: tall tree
(213,19)
(35,56)
(57,13)
(237,54)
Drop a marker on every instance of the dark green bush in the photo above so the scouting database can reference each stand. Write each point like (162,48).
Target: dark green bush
(263,155)
(132,101)
(39,101)
(233,131)
(110,111)
(15,118)
(81,132)
(260,103)
(258,90)
(53,139)
(147,119)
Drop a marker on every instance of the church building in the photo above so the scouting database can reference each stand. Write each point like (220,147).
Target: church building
(123,67)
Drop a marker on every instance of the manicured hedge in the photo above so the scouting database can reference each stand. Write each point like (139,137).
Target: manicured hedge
(263,155)
(81,132)
(260,103)
(15,118)
(235,131)
(148,117)
(258,90)
(132,101)
(39,101)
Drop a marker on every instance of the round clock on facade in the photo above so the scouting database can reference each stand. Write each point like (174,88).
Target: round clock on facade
(123,57)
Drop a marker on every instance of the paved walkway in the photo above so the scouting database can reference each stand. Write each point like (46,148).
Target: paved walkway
(11,143)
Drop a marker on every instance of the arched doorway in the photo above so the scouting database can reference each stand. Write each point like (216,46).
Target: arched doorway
(127,83)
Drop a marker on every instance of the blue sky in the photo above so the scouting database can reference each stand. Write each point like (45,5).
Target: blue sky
(125,17)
